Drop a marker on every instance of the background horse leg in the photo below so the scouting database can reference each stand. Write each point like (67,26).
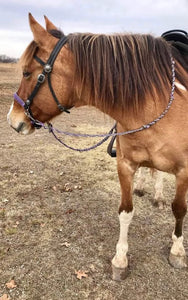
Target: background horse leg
(139,186)
(177,256)
(159,198)
(120,262)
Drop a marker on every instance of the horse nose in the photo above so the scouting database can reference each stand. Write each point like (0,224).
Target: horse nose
(19,127)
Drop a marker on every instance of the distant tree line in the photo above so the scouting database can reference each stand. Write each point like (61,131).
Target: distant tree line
(7,59)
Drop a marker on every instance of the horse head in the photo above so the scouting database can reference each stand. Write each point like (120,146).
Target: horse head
(41,83)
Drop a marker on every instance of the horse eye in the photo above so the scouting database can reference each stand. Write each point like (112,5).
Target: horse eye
(26,74)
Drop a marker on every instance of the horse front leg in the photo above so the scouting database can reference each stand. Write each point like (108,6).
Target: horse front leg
(177,256)
(119,262)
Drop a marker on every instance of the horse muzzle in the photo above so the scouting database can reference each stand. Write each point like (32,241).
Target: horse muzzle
(22,128)
(19,122)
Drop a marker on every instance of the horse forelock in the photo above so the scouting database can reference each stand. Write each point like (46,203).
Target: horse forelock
(28,54)
(122,69)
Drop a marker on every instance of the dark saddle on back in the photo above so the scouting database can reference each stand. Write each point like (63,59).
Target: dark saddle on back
(178,38)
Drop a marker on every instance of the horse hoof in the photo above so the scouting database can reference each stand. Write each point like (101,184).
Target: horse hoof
(119,274)
(161,205)
(159,202)
(178,262)
(139,193)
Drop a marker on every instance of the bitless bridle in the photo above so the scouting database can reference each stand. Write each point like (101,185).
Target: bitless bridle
(47,69)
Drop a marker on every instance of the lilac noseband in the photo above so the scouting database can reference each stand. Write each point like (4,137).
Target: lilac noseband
(19,100)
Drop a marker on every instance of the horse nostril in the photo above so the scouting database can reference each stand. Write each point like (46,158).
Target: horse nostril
(20,127)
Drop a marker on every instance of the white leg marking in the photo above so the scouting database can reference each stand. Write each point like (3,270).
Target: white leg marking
(120,259)
(177,247)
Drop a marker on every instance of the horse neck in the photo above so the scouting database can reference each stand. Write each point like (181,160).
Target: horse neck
(128,118)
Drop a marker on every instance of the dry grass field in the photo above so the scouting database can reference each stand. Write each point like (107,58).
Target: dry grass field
(58,215)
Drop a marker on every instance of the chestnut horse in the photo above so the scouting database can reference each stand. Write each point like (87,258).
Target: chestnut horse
(129,77)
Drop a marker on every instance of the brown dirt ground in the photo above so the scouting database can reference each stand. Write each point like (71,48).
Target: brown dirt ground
(58,215)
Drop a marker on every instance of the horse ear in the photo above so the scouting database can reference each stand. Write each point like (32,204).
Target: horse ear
(39,33)
(49,24)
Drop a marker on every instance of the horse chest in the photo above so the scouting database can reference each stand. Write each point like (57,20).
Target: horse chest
(153,155)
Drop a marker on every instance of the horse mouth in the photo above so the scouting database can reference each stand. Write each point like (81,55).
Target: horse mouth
(23,128)
(20,127)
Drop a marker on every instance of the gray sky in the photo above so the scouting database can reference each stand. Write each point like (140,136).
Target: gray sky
(107,16)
